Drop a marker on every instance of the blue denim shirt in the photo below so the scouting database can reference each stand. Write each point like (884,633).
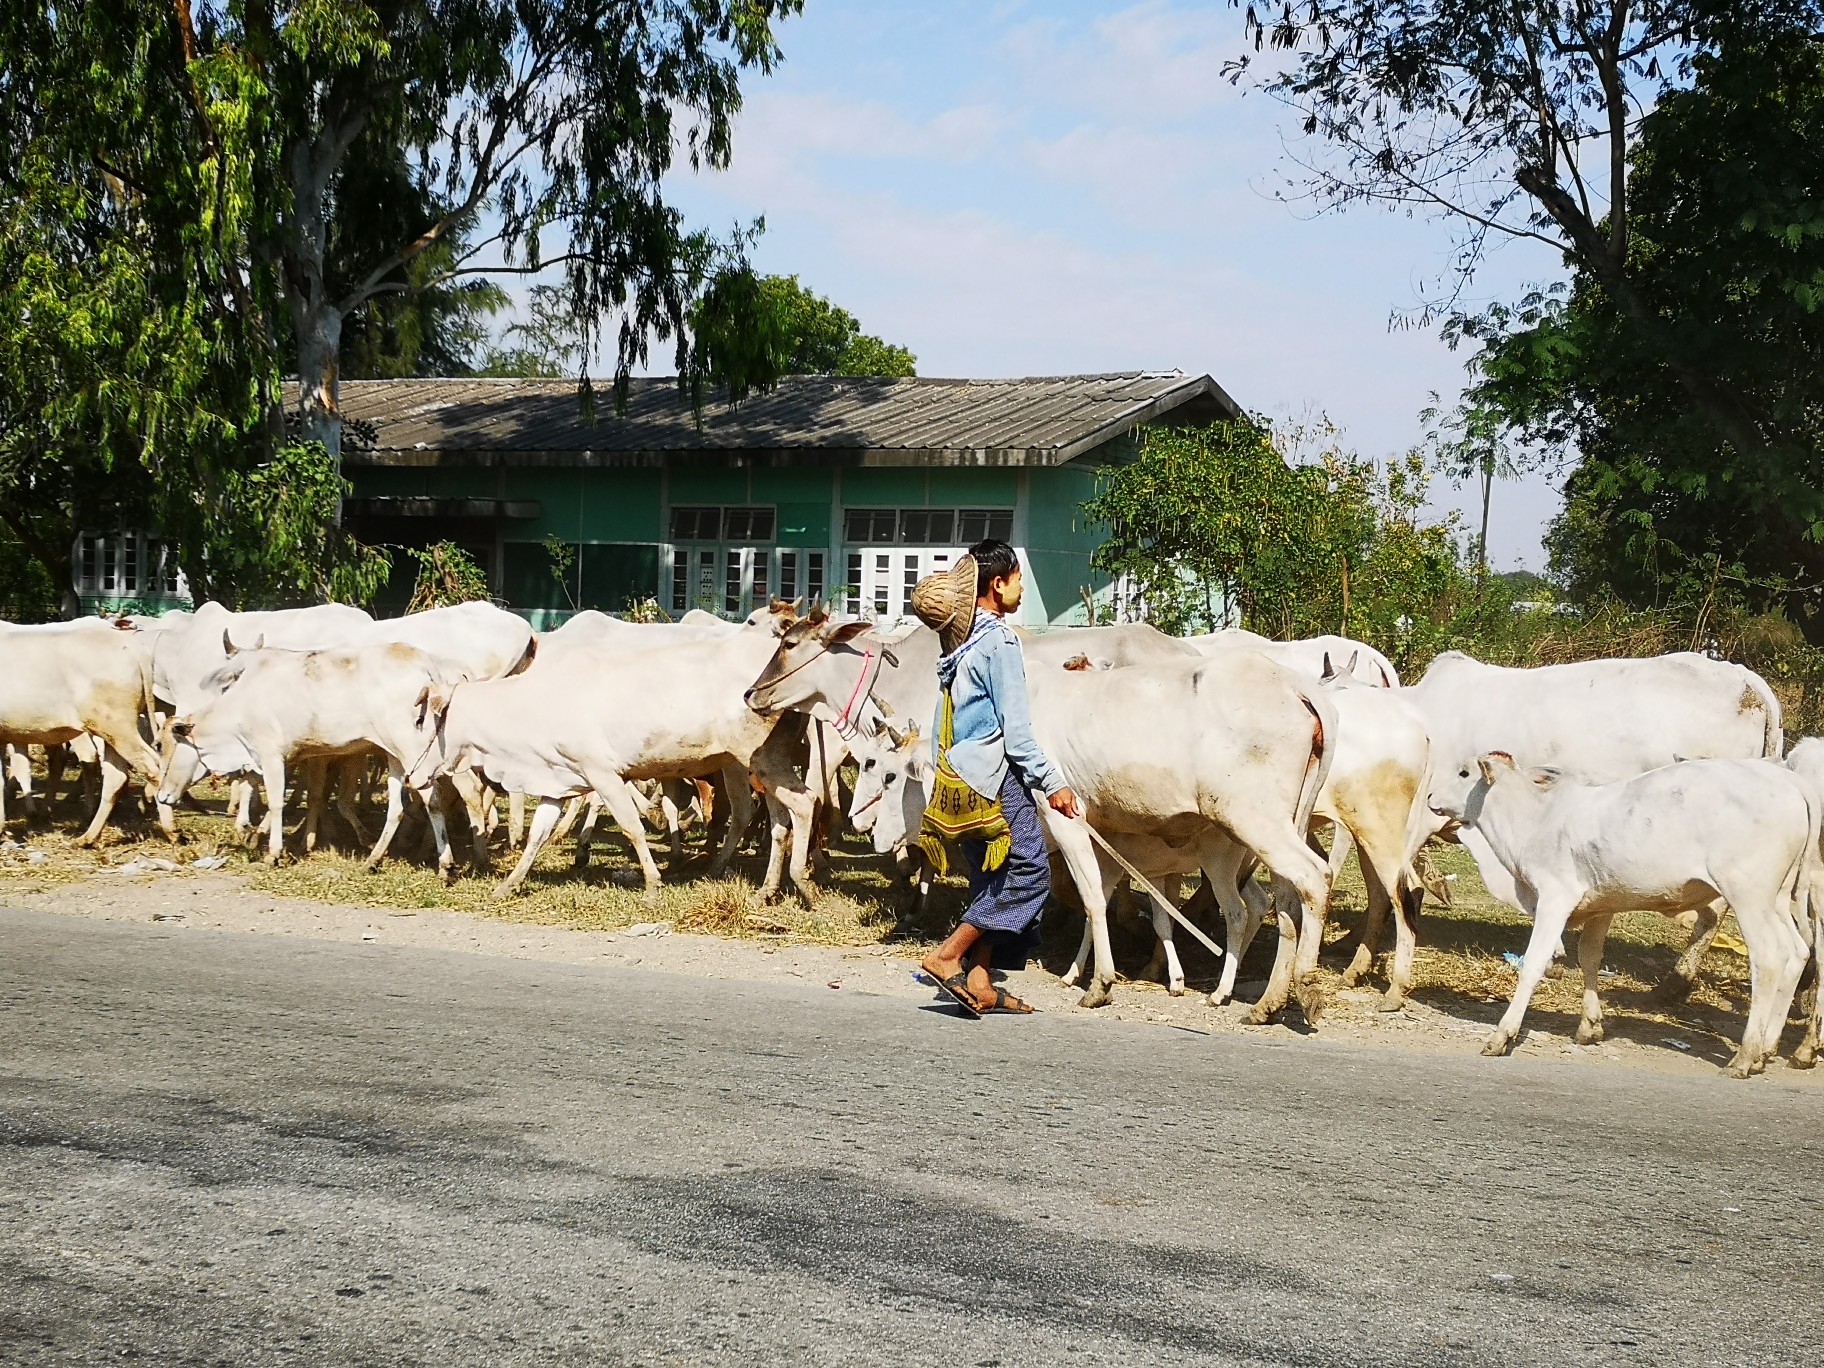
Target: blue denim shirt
(992,721)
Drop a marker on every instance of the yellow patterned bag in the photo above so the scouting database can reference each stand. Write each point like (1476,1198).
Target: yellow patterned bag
(957,812)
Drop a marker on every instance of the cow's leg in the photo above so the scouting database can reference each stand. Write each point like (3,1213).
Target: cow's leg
(544,822)
(350,775)
(1551,914)
(1226,868)
(567,823)
(1163,929)
(740,810)
(473,792)
(585,838)
(1776,956)
(674,825)
(240,798)
(1301,875)
(395,809)
(787,794)
(316,781)
(1383,875)
(113,777)
(432,796)
(1806,1055)
(1590,939)
(1406,941)
(56,765)
(1676,986)
(617,795)
(1091,880)
(516,819)
(272,776)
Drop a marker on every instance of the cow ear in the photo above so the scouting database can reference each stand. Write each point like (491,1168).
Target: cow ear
(847,632)
(1545,777)
(1493,764)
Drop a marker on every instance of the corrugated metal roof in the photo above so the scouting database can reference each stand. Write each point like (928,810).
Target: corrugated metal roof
(1042,420)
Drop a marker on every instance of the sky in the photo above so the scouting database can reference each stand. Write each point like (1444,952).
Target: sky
(1069,187)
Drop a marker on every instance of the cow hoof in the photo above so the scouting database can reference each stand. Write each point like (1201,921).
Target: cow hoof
(1391,1001)
(1498,1046)
(1737,1069)
(1175,989)
(1096,995)
(1218,998)
(1672,990)
(1803,1058)
(1311,1002)
(1589,1033)
(1261,1015)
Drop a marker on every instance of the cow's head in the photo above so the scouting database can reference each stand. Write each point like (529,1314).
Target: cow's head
(890,790)
(1461,792)
(814,659)
(193,748)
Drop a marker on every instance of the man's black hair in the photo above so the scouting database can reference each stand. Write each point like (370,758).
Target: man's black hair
(993,560)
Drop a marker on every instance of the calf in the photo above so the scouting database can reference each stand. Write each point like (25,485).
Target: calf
(1671,840)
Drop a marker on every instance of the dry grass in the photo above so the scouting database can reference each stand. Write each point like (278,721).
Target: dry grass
(1459,967)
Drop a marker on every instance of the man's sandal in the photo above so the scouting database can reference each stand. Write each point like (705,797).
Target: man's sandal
(957,986)
(1005,1001)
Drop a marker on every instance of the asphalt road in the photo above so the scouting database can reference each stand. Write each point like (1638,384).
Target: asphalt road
(233,1149)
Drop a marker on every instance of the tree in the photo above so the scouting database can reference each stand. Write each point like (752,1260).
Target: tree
(754,329)
(138,381)
(523,122)
(1727,250)
(1212,527)
(1516,119)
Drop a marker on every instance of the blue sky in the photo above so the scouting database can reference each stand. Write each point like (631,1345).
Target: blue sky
(1034,189)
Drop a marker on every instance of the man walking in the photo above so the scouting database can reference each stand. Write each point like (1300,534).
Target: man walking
(989,765)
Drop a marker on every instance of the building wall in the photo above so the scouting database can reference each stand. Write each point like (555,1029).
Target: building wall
(617,526)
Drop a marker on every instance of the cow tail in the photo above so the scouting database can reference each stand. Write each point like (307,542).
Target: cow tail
(1773,735)
(1323,753)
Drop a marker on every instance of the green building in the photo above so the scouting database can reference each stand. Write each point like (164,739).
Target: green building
(844,489)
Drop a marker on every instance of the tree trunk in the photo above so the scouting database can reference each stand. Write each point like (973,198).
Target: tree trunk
(1488,489)
(319,359)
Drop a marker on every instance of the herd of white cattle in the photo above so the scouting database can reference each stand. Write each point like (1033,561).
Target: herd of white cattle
(1581,790)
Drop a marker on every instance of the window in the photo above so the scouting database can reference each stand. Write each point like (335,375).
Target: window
(722,524)
(864,526)
(696,524)
(127,565)
(978,524)
(747,524)
(925,526)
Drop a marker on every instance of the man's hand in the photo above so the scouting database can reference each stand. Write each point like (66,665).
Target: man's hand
(1065,801)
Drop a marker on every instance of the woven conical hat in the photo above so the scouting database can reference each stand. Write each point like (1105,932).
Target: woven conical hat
(945,602)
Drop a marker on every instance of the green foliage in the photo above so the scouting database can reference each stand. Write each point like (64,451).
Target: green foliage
(27,593)
(138,380)
(1728,250)
(1212,527)
(446,575)
(752,330)
(548,343)
(563,566)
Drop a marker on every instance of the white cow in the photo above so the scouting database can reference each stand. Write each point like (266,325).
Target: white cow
(594,719)
(1190,764)
(318,705)
(1672,840)
(188,651)
(1602,721)
(1113,645)
(64,680)
(1807,758)
(1316,656)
